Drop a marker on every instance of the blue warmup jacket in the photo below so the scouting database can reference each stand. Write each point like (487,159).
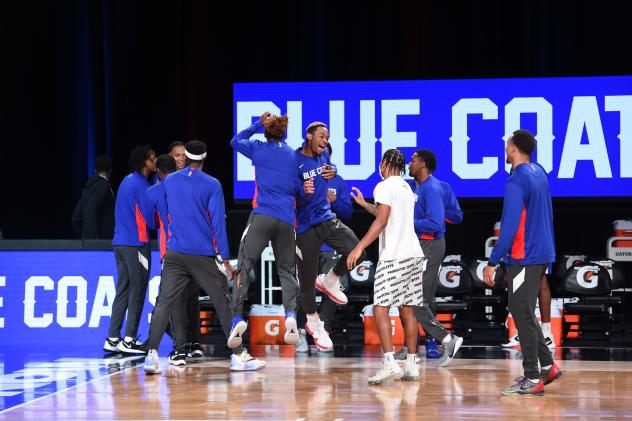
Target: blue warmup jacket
(156,214)
(275,164)
(130,228)
(342,206)
(312,209)
(195,201)
(526,226)
(436,204)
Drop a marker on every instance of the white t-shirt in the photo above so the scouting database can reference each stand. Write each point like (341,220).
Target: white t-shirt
(398,240)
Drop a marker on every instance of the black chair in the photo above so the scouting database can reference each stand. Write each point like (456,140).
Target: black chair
(454,291)
(589,283)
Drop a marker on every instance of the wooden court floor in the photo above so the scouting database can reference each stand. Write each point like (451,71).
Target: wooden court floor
(322,387)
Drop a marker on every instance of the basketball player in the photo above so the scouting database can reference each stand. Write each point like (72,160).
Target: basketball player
(176,150)
(196,209)
(272,219)
(131,251)
(398,276)
(526,243)
(317,224)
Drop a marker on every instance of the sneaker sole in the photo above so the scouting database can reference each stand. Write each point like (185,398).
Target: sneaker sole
(131,351)
(406,378)
(323,348)
(449,358)
(540,393)
(291,333)
(151,370)
(396,376)
(246,368)
(333,297)
(196,354)
(235,338)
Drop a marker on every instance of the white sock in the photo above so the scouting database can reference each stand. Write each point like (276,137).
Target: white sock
(534,381)
(388,357)
(113,338)
(447,339)
(546,329)
(410,358)
(128,339)
(547,367)
(313,318)
(331,278)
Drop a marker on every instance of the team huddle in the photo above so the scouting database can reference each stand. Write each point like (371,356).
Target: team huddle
(293,208)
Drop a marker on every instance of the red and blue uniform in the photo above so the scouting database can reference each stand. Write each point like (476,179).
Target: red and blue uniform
(526,228)
(275,164)
(342,206)
(436,204)
(197,227)
(157,215)
(312,209)
(130,228)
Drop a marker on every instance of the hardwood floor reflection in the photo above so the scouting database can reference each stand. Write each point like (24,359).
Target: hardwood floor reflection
(321,387)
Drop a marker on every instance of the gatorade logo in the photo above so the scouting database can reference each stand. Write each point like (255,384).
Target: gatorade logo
(450,276)
(479,270)
(272,327)
(623,253)
(587,276)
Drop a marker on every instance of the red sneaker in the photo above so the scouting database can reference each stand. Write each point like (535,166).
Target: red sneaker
(552,374)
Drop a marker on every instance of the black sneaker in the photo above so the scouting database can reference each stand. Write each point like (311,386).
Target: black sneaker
(177,358)
(196,350)
(133,347)
(111,345)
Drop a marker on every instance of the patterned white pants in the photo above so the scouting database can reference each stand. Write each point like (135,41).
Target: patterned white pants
(399,282)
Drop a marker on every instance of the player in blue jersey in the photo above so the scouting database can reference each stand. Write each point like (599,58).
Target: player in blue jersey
(272,219)
(340,201)
(131,251)
(318,224)
(197,227)
(526,244)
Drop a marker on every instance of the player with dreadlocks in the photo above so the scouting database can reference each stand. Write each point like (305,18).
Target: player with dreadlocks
(398,276)
(318,224)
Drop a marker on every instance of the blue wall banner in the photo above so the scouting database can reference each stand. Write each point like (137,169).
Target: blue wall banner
(52,298)
(583,126)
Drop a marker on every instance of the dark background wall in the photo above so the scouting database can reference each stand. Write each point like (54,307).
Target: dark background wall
(81,78)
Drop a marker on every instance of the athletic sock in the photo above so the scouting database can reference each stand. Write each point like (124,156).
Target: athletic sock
(533,381)
(546,329)
(113,338)
(447,339)
(410,358)
(547,367)
(128,339)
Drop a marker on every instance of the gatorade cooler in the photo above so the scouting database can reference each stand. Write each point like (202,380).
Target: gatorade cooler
(370,328)
(266,324)
(206,318)
(556,321)
(491,241)
(497,229)
(620,246)
(623,228)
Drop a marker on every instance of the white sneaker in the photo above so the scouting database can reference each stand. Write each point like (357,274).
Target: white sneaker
(302,345)
(111,345)
(245,362)
(291,331)
(411,372)
(317,330)
(152,364)
(389,371)
(236,332)
(511,342)
(330,285)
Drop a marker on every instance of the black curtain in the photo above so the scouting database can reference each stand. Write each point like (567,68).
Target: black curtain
(82,78)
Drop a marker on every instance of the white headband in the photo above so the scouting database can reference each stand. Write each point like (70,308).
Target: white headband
(194,157)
